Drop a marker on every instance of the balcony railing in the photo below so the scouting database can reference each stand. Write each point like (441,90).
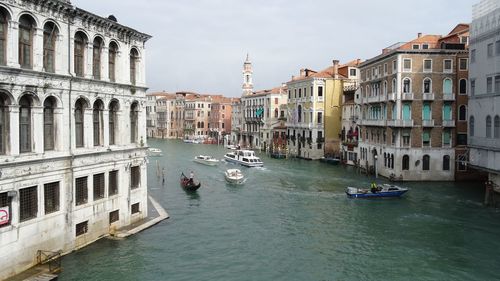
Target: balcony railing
(391,97)
(428,123)
(373,122)
(448,123)
(448,97)
(407,96)
(427,96)
(400,123)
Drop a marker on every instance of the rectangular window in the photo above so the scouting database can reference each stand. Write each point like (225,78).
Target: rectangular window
(497,48)
(320,91)
(81,192)
(426,138)
(425,46)
(447,66)
(446,138)
(5,202)
(352,72)
(497,84)
(428,65)
(473,56)
(320,117)
(406,64)
(415,46)
(406,139)
(82,228)
(394,66)
(135,177)
(114,216)
(28,203)
(472,87)
(489,85)
(51,197)
(98,186)
(489,50)
(463,64)
(135,208)
(447,111)
(461,139)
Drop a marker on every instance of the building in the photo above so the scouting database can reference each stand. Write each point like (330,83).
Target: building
(220,119)
(409,107)
(350,113)
(72,129)
(237,122)
(151,117)
(165,111)
(484,95)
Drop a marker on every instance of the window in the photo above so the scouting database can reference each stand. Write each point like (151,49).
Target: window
(462,113)
(25,123)
(426,162)
(415,46)
(320,117)
(462,87)
(50,33)
(463,64)
(81,194)
(447,66)
(114,216)
(406,162)
(406,86)
(473,56)
(28,203)
(4,122)
(447,111)
(464,39)
(48,123)
(135,177)
(471,126)
(319,140)
(497,47)
(447,87)
(133,122)
(446,138)
(385,68)
(134,57)
(320,91)
(427,65)
(3,36)
(425,46)
(300,93)
(352,71)
(98,186)
(497,84)
(489,85)
(426,111)
(79,53)
(394,66)
(406,139)
(79,128)
(135,208)
(82,228)
(113,110)
(461,139)
(26,28)
(427,85)
(489,50)
(461,166)
(496,127)
(96,58)
(446,163)
(113,50)
(97,123)
(51,197)
(472,87)
(6,202)
(406,111)
(426,138)
(406,64)
(488,126)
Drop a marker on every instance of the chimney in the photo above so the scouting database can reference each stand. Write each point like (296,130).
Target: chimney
(302,72)
(419,35)
(335,69)
(307,72)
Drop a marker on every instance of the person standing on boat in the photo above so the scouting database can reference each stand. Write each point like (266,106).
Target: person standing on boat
(191,177)
(373,187)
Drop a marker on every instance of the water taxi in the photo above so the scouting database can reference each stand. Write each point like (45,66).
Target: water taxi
(153,152)
(244,157)
(234,176)
(382,190)
(207,160)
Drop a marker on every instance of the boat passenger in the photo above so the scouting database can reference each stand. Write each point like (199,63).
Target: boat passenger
(191,177)
(373,187)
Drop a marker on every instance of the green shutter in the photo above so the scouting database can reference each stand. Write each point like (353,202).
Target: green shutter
(447,112)
(446,137)
(426,112)
(426,136)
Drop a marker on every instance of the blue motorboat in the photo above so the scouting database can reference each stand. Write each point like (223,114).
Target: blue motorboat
(382,190)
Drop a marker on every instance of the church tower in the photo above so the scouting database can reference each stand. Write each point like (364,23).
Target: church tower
(247,77)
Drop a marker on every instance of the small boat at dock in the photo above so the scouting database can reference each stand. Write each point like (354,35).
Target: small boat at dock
(382,190)
(189,185)
(234,176)
(207,160)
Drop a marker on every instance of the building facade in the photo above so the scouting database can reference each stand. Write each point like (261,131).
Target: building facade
(484,91)
(72,129)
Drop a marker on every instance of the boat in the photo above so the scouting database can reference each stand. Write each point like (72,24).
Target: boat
(187,141)
(234,176)
(330,160)
(244,157)
(207,160)
(188,185)
(383,190)
(232,147)
(154,152)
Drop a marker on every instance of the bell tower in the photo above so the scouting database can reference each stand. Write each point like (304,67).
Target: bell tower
(247,77)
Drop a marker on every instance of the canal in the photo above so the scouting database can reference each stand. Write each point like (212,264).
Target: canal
(292,221)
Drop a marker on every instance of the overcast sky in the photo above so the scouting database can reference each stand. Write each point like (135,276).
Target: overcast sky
(200,45)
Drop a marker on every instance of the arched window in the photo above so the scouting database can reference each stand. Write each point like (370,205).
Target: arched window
(447,87)
(79,124)
(393,89)
(4,122)
(48,123)
(384,91)
(275,113)
(406,86)
(471,126)
(50,33)
(496,127)
(97,121)
(3,35)
(134,56)
(79,55)
(25,105)
(202,125)
(113,111)
(427,85)
(96,58)
(406,162)
(26,27)
(392,161)
(133,122)
(300,114)
(426,162)
(488,126)
(462,113)
(463,87)
(113,50)
(446,163)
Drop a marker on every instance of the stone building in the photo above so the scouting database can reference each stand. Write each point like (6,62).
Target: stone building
(72,129)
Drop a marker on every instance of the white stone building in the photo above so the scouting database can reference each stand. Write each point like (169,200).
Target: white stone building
(72,129)
(151,117)
(484,94)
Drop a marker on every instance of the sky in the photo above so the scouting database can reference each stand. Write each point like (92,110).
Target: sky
(200,45)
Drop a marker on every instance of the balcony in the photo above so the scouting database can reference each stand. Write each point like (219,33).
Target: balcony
(428,123)
(400,123)
(448,123)
(391,97)
(428,97)
(448,97)
(382,98)
(372,99)
(373,122)
(407,96)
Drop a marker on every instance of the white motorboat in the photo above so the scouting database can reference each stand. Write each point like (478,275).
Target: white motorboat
(153,152)
(244,157)
(232,147)
(234,176)
(207,160)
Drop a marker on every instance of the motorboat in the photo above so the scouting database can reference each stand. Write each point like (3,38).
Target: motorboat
(154,152)
(232,147)
(187,141)
(330,160)
(244,157)
(207,160)
(234,176)
(381,190)
(189,185)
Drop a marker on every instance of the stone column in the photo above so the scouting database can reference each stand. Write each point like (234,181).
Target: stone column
(61,56)
(13,44)
(105,64)
(106,129)
(14,130)
(60,143)
(87,69)
(37,129)
(120,126)
(37,49)
(88,132)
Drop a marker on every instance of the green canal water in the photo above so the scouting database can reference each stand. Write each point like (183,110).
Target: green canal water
(292,221)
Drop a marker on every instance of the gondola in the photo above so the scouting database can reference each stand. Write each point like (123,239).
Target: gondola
(187,185)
